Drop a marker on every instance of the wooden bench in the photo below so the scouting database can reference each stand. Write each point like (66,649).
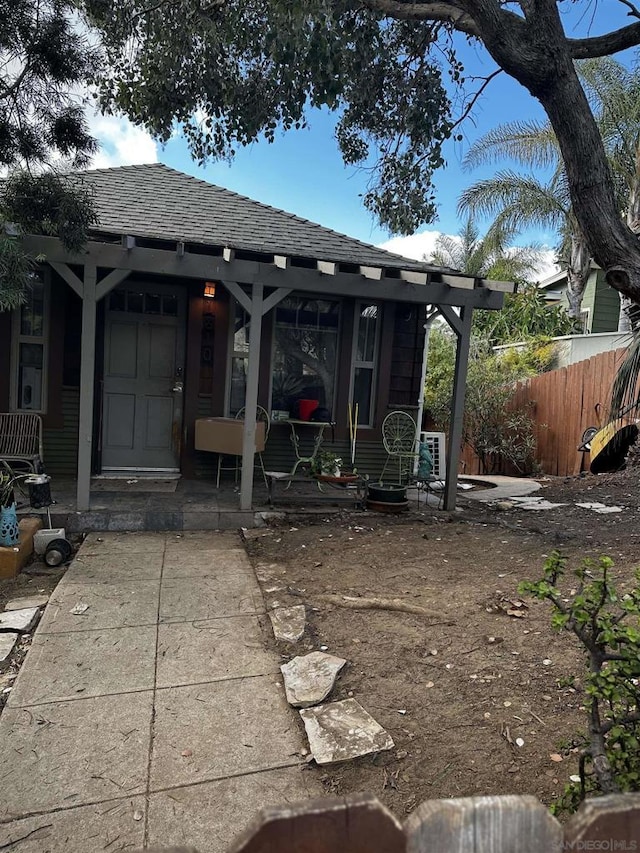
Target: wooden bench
(21,440)
(356,488)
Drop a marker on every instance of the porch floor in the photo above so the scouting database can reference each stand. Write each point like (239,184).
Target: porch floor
(194,505)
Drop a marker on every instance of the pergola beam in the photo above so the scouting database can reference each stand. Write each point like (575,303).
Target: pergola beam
(200,266)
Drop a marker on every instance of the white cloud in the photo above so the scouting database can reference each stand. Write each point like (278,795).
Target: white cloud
(121,142)
(422,245)
(547,265)
(416,246)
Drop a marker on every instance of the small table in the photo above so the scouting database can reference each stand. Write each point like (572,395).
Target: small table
(319,427)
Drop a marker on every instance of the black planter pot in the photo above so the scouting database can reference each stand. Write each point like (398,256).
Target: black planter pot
(387,493)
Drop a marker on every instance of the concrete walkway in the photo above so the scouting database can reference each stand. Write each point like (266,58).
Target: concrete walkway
(155,717)
(502,488)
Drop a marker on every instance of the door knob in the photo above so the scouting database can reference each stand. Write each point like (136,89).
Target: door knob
(178,388)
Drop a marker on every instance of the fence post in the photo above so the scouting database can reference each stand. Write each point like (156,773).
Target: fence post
(605,823)
(357,823)
(483,825)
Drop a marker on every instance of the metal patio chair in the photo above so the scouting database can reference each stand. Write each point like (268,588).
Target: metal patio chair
(399,440)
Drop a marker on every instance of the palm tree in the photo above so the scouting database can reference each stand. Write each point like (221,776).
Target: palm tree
(492,256)
(614,92)
(518,201)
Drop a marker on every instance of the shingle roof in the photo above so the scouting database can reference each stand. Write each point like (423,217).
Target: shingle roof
(157,202)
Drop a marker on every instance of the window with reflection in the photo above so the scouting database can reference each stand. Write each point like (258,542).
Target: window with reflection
(239,360)
(30,348)
(365,360)
(305,353)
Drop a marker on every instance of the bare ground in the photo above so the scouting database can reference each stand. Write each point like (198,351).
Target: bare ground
(457,687)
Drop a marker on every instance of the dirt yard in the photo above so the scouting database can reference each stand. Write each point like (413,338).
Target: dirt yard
(459,687)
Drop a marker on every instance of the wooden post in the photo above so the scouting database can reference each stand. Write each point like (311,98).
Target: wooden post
(483,825)
(87,372)
(357,823)
(251,399)
(605,823)
(457,406)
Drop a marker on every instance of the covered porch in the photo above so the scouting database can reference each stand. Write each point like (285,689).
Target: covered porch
(131,304)
(194,505)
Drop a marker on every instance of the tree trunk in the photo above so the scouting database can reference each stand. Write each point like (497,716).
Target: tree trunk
(577,276)
(534,50)
(629,319)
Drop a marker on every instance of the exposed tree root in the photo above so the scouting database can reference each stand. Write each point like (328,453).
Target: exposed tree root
(355,603)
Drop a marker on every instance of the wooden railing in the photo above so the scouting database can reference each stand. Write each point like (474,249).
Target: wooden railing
(511,824)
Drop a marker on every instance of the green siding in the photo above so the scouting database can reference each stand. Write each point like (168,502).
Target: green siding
(607,300)
(61,445)
(602,302)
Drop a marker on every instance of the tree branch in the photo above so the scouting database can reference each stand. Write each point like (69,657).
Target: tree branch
(472,102)
(443,11)
(605,45)
(623,721)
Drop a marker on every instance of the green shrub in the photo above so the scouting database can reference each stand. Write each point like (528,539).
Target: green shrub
(607,626)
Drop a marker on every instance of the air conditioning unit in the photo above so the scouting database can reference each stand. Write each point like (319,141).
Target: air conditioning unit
(435,443)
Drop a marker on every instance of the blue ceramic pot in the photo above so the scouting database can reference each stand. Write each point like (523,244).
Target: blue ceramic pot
(9,533)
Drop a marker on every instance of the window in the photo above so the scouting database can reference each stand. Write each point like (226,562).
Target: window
(305,352)
(29,353)
(364,361)
(584,320)
(239,360)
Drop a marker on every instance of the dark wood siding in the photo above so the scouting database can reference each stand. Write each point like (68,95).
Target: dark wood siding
(406,357)
(61,443)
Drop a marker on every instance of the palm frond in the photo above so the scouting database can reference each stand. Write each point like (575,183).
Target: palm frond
(529,143)
(520,200)
(625,391)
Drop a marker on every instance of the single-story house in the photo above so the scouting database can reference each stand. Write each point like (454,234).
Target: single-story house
(189,300)
(600,308)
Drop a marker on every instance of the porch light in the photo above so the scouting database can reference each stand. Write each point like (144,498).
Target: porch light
(210,289)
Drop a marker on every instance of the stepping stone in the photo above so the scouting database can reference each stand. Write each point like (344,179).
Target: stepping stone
(309,679)
(288,622)
(343,730)
(603,509)
(19,620)
(27,601)
(7,642)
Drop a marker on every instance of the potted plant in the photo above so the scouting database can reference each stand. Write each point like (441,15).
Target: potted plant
(9,533)
(327,463)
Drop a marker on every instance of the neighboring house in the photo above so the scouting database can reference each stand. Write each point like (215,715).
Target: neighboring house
(600,303)
(123,345)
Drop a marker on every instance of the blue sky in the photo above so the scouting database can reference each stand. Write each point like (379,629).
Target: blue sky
(302,171)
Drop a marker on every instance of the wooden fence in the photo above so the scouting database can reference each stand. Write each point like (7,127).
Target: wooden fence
(511,824)
(562,403)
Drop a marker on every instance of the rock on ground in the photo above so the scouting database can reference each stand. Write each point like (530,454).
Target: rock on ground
(309,679)
(288,622)
(343,730)
(19,620)
(7,642)
(26,602)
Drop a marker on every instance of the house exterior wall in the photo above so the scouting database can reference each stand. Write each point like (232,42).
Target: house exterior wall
(601,301)
(397,386)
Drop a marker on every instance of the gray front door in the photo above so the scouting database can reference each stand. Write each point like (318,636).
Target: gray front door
(143,377)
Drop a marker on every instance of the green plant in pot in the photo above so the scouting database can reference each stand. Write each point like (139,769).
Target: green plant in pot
(327,463)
